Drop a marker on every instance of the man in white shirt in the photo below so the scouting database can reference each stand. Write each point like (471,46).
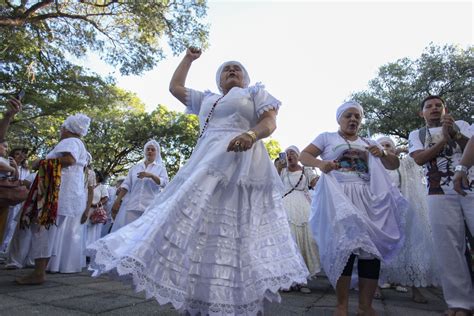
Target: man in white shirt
(438,147)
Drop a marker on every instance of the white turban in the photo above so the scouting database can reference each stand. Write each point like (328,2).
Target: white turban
(246,79)
(348,105)
(77,124)
(294,148)
(386,139)
(155,144)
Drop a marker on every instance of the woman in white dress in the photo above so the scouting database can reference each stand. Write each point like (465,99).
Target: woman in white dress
(100,195)
(216,241)
(297,203)
(356,212)
(415,264)
(143,183)
(60,246)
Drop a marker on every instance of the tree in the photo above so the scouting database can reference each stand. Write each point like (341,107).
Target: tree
(40,39)
(273,148)
(392,101)
(127,34)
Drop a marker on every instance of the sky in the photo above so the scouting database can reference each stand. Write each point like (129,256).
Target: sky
(311,55)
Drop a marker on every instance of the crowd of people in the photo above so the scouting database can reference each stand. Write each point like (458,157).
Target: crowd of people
(231,229)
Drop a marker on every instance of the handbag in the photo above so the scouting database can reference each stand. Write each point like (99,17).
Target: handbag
(99,216)
(12,192)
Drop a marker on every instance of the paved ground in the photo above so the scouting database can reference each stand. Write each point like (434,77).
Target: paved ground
(79,294)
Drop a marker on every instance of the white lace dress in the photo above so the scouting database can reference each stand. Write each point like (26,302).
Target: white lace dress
(216,241)
(298,205)
(416,263)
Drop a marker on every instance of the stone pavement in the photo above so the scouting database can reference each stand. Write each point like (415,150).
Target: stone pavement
(79,294)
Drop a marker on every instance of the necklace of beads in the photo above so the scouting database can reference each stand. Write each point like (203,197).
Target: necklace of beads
(208,118)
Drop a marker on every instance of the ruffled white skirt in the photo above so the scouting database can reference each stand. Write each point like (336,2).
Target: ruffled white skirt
(357,217)
(216,241)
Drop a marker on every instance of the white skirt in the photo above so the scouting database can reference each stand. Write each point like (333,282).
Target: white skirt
(297,206)
(357,217)
(66,246)
(215,241)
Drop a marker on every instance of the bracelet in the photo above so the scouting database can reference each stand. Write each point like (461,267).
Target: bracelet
(252,134)
(460,168)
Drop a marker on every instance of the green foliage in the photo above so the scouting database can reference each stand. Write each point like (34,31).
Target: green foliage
(127,34)
(273,147)
(392,101)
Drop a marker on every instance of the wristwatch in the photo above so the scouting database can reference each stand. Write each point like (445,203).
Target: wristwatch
(461,168)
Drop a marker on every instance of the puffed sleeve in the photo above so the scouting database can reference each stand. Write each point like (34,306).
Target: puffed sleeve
(263,100)
(194,100)
(72,146)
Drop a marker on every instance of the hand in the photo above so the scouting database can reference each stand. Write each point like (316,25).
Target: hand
(14,107)
(327,166)
(447,122)
(375,150)
(115,208)
(460,180)
(84,216)
(281,163)
(144,174)
(12,162)
(243,142)
(193,53)
(313,182)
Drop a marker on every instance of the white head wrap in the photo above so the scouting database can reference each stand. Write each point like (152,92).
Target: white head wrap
(246,79)
(89,158)
(386,139)
(155,144)
(294,148)
(77,124)
(348,105)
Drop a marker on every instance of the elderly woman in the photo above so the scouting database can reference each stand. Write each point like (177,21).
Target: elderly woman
(356,212)
(415,264)
(216,240)
(297,203)
(60,238)
(142,184)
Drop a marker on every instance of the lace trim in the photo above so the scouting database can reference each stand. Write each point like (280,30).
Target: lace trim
(131,271)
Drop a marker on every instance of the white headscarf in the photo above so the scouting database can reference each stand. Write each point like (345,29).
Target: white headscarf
(294,148)
(77,124)
(155,144)
(89,158)
(348,105)
(386,139)
(246,79)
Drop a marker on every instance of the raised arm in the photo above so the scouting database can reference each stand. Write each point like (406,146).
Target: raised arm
(178,80)
(14,108)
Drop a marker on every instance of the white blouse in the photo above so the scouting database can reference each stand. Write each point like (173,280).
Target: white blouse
(141,192)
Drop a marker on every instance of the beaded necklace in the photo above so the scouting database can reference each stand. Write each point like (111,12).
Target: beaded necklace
(208,118)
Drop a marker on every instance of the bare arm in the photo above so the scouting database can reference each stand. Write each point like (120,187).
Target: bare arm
(67,160)
(265,127)
(468,156)
(14,108)
(308,158)
(178,80)
(423,156)
(389,160)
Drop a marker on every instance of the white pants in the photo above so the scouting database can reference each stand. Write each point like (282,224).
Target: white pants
(447,214)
